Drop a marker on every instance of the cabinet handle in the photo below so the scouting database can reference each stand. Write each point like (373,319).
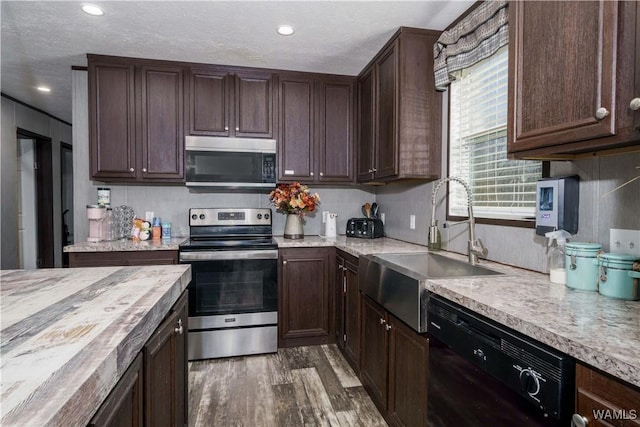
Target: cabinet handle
(578,420)
(635,104)
(381,321)
(179,329)
(387,327)
(131,169)
(144,169)
(601,113)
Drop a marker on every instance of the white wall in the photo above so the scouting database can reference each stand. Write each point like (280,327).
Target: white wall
(14,116)
(173,202)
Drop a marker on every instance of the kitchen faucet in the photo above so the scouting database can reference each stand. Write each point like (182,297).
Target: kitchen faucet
(475,247)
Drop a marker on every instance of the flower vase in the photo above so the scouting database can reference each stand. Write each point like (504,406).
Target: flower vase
(293,227)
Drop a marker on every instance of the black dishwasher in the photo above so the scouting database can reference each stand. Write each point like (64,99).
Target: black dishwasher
(484,374)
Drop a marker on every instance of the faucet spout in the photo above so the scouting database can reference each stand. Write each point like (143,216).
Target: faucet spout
(475,248)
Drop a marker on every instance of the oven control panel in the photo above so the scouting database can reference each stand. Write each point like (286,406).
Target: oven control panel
(229,216)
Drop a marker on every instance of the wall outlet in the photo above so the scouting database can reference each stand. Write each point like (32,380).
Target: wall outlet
(324,216)
(624,241)
(382,217)
(412,222)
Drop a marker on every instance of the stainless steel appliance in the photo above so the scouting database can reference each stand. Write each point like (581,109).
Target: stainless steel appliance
(230,162)
(484,374)
(365,228)
(233,294)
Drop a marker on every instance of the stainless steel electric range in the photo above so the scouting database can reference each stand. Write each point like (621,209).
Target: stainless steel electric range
(233,294)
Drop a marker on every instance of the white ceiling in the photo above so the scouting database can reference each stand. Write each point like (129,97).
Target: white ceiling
(42,40)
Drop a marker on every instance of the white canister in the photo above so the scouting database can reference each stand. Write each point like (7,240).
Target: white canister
(330,228)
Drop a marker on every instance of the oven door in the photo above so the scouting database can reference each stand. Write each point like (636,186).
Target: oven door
(232,282)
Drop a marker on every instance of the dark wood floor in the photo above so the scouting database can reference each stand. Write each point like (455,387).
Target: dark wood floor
(302,386)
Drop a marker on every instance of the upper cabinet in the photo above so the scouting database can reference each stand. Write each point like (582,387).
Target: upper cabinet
(224,103)
(574,77)
(136,129)
(400,112)
(316,126)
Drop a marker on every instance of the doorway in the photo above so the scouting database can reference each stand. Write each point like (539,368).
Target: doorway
(66,171)
(35,201)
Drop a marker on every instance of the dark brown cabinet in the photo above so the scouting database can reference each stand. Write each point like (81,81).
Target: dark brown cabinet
(227,103)
(123,407)
(400,112)
(136,120)
(316,129)
(347,308)
(165,370)
(109,259)
(303,297)
(574,71)
(393,367)
(602,400)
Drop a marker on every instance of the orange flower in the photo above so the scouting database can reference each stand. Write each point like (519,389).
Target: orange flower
(294,198)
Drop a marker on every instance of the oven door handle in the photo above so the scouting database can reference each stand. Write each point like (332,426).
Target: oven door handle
(228,255)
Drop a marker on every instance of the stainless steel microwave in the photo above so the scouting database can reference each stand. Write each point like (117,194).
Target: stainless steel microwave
(230,162)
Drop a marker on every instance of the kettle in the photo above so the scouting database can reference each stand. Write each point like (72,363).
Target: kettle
(330,228)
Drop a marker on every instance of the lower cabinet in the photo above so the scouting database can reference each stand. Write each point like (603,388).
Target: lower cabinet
(154,389)
(111,259)
(604,401)
(304,299)
(347,308)
(393,366)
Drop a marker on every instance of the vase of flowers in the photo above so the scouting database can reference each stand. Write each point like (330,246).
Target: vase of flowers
(295,200)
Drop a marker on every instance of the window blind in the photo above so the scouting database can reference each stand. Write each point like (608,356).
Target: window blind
(502,188)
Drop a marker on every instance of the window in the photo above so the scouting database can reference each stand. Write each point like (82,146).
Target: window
(502,188)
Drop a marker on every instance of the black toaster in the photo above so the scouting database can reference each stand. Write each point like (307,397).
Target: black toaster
(365,228)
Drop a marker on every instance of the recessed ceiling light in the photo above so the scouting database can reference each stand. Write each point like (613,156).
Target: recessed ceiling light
(286,30)
(43,89)
(92,9)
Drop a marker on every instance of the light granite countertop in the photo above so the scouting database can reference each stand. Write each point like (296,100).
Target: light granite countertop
(600,331)
(69,334)
(127,245)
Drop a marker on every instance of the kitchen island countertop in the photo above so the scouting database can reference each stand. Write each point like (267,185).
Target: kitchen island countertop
(600,331)
(69,334)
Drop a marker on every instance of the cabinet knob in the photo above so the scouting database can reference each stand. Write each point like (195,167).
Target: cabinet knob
(284,262)
(226,128)
(179,329)
(311,174)
(370,170)
(131,169)
(375,170)
(381,321)
(237,129)
(144,169)
(387,327)
(321,174)
(635,104)
(601,113)
(578,420)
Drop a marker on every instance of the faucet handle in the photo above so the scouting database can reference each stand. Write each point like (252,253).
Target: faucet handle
(478,248)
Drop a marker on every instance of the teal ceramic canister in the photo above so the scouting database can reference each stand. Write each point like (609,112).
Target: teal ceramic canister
(582,270)
(616,277)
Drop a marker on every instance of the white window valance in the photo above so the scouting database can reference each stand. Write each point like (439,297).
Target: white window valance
(476,37)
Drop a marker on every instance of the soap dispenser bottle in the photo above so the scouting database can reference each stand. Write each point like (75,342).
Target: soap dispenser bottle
(557,259)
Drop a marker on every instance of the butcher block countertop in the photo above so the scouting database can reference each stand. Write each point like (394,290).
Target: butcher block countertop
(600,331)
(69,334)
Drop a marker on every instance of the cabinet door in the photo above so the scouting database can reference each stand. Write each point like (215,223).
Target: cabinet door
(366,126)
(209,100)
(352,315)
(165,372)
(562,70)
(339,286)
(123,407)
(374,357)
(112,145)
(304,297)
(253,105)
(335,131)
(161,123)
(386,101)
(408,363)
(296,142)
(181,309)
